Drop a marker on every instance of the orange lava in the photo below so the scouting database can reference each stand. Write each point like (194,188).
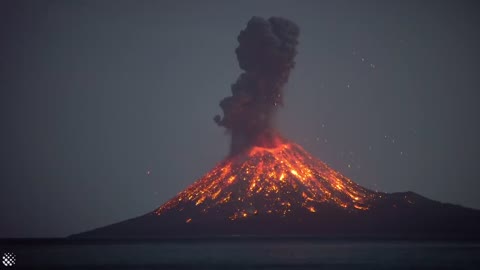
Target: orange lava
(271,181)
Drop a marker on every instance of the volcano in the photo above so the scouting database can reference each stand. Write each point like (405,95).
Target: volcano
(270,186)
(285,191)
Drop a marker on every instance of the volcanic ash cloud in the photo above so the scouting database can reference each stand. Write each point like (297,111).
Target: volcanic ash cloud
(266,53)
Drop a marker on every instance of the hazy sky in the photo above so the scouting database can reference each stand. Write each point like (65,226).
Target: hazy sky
(96,94)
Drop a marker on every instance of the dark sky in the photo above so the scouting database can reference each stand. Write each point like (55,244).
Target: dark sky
(107,106)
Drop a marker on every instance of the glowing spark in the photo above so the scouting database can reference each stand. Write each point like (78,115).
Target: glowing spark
(360,207)
(200,201)
(231,179)
(215,195)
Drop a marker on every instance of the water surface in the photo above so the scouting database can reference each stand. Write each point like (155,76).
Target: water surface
(250,254)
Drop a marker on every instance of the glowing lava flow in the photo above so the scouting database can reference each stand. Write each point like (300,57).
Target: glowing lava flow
(272,181)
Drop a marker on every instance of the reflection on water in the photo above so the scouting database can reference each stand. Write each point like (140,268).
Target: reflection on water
(252,254)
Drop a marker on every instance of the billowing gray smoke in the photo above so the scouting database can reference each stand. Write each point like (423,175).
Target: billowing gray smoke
(266,53)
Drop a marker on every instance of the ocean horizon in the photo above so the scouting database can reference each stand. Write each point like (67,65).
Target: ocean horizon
(241,253)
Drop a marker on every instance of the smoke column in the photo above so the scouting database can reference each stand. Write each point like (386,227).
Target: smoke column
(266,53)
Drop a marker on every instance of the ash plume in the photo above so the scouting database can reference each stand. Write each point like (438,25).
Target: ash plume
(266,53)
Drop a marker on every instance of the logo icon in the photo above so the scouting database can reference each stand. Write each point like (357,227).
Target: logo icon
(8,259)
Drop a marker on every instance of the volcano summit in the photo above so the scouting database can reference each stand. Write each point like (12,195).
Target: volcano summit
(268,185)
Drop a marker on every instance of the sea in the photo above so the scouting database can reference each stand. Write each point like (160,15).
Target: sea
(239,254)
